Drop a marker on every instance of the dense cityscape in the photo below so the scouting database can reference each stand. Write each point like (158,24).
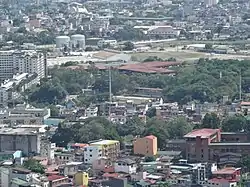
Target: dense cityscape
(124,93)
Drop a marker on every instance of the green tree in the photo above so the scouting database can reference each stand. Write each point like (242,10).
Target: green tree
(234,123)
(129,33)
(128,46)
(89,49)
(149,159)
(54,111)
(133,126)
(244,163)
(178,127)
(159,129)
(209,46)
(90,129)
(69,63)
(34,166)
(151,112)
(211,120)
(152,58)
(50,92)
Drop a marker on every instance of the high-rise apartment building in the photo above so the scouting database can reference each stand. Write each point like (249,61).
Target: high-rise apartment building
(17,62)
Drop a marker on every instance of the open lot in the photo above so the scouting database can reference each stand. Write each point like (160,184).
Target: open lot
(185,55)
(181,55)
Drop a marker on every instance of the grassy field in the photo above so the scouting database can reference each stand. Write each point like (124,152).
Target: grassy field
(182,56)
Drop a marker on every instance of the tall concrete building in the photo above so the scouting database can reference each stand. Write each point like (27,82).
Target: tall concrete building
(28,61)
(26,138)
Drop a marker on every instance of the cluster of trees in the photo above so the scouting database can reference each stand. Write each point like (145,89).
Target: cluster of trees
(34,166)
(129,33)
(205,81)
(234,123)
(100,128)
(24,36)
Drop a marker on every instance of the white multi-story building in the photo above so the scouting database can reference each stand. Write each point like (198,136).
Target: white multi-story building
(92,153)
(91,111)
(26,61)
(24,114)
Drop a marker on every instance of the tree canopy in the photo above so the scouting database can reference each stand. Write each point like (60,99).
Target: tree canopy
(34,166)
(205,81)
(100,128)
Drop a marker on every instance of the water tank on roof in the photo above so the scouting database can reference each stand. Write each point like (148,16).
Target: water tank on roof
(78,41)
(62,41)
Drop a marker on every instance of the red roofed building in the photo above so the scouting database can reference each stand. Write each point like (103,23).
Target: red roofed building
(225,148)
(220,182)
(56,180)
(146,146)
(197,143)
(228,173)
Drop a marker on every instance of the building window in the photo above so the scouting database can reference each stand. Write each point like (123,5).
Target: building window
(90,155)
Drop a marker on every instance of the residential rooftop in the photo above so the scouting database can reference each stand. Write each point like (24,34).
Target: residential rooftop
(20,130)
(230,144)
(226,171)
(203,133)
(151,137)
(104,142)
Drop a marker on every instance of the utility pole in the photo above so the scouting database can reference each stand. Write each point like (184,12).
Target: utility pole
(110,91)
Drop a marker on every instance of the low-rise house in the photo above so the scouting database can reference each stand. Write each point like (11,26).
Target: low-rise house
(91,111)
(125,166)
(81,179)
(64,157)
(57,180)
(70,169)
(101,164)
